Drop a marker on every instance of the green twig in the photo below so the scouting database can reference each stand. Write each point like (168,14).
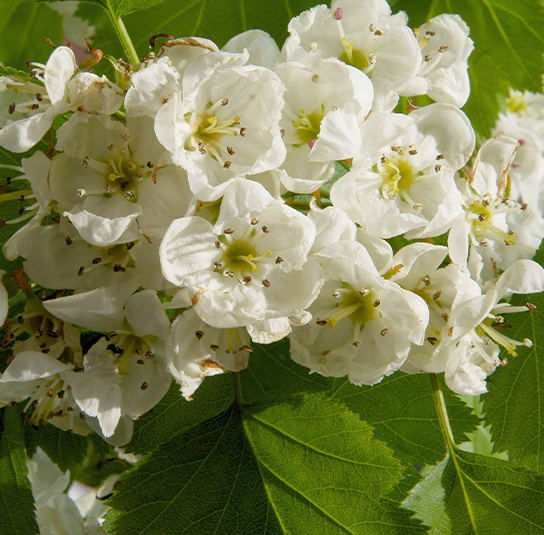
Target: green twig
(130,51)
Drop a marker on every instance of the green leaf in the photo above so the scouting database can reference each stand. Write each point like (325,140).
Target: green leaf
(17,515)
(174,415)
(473,494)
(508,48)
(514,405)
(65,450)
(24,27)
(401,410)
(218,20)
(273,373)
(302,466)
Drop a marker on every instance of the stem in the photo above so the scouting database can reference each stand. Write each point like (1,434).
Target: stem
(344,164)
(130,51)
(442,412)
(238,388)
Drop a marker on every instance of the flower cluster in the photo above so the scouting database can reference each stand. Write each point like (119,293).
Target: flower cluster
(197,207)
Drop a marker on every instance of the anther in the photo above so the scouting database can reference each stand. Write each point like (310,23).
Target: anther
(428,58)
(227,164)
(224,102)
(11,108)
(530,306)
(279,260)
(243,131)
(357,343)
(97,260)
(60,394)
(148,354)
(82,416)
(487,341)
(429,33)
(372,28)
(364,291)
(445,316)
(265,229)
(450,332)
(426,281)
(378,32)
(412,152)
(312,46)
(124,137)
(440,156)
(247,279)
(68,240)
(81,270)
(150,165)
(336,294)
(524,206)
(432,340)
(315,78)
(141,362)
(321,322)
(437,167)
(214,347)
(437,295)
(218,245)
(443,48)
(118,268)
(527,342)
(229,150)
(144,386)
(247,348)
(254,221)
(483,243)
(504,361)
(199,334)
(228,231)
(266,283)
(229,273)
(217,265)
(383,332)
(396,148)
(338,13)
(377,303)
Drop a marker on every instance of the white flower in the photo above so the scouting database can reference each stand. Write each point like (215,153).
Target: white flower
(196,350)
(251,266)
(123,375)
(56,513)
(473,341)
(363,325)
(445,48)
(495,230)
(402,181)
(226,125)
(323,101)
(116,182)
(29,118)
(361,33)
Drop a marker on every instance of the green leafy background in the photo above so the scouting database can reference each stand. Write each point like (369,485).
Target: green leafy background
(274,450)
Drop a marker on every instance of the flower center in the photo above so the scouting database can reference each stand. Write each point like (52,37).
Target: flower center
(309,125)
(360,306)
(240,257)
(397,175)
(124,175)
(480,217)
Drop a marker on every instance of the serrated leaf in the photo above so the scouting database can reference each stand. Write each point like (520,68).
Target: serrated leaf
(302,466)
(24,28)
(514,405)
(174,415)
(63,449)
(218,20)
(472,494)
(401,410)
(508,48)
(17,516)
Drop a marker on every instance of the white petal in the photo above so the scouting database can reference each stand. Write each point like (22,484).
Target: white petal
(22,135)
(31,365)
(59,68)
